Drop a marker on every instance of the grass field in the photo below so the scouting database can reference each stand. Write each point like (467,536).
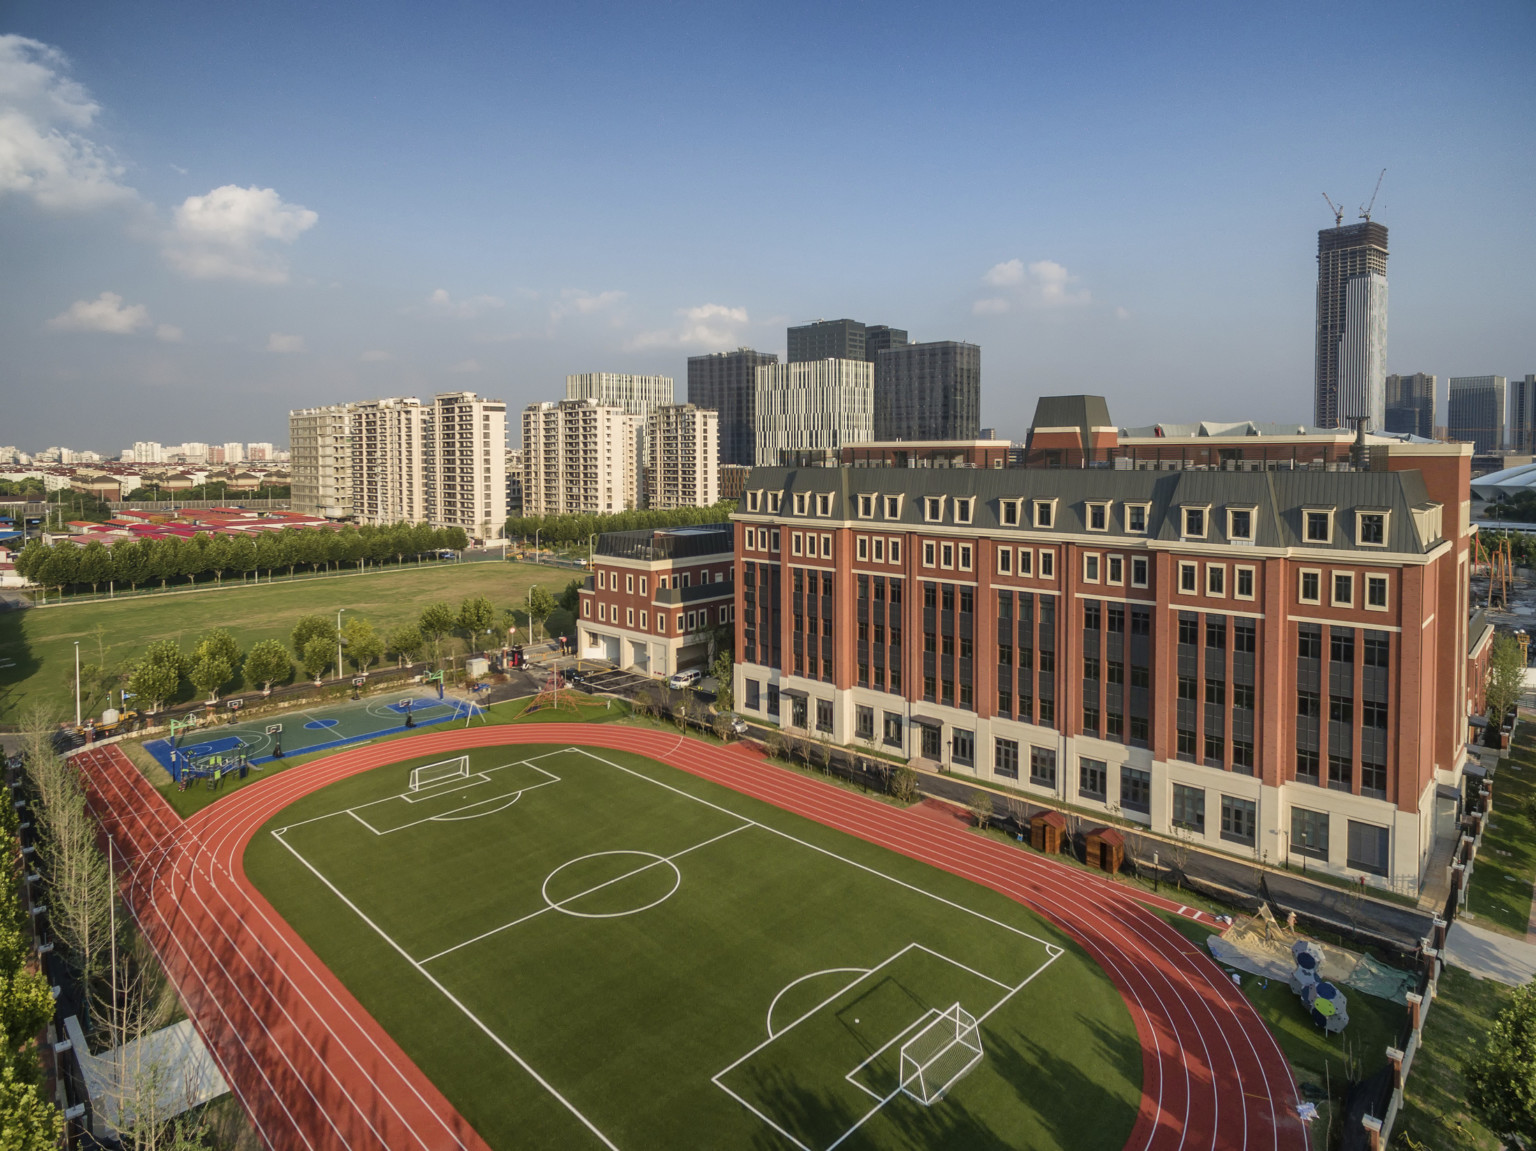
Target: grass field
(37,646)
(1500,895)
(682,966)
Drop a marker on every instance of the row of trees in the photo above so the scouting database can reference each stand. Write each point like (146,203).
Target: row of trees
(213,490)
(133,563)
(578,529)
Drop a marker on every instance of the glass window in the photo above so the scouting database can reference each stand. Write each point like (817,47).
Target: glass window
(962,747)
(1215,580)
(1239,820)
(1309,643)
(1005,758)
(1242,524)
(1373,528)
(1244,583)
(1376,649)
(754,696)
(1136,790)
(1116,569)
(1139,569)
(1244,635)
(892,729)
(1309,833)
(1189,808)
(1042,766)
(1092,775)
(1375,591)
(1194,521)
(1343,588)
(1188,579)
(1098,517)
(1317,527)
(1136,518)
(1367,848)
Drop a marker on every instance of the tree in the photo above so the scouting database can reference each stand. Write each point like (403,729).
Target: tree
(364,647)
(476,617)
(1501,1078)
(904,786)
(406,642)
(1504,681)
(570,597)
(540,604)
(95,565)
(318,654)
(724,670)
(981,807)
(28,1122)
(220,644)
(437,620)
(157,676)
(311,627)
(209,673)
(267,663)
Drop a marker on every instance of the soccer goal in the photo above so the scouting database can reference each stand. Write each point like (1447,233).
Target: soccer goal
(934,1059)
(431,774)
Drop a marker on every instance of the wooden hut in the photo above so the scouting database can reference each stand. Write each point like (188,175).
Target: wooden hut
(1105,849)
(1046,830)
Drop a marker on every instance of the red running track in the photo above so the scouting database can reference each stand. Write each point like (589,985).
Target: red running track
(314,1070)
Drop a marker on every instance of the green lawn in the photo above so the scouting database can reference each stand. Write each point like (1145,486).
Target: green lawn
(666,953)
(1500,895)
(39,643)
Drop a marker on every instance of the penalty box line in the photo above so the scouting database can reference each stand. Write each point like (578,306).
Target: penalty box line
(448,995)
(560,903)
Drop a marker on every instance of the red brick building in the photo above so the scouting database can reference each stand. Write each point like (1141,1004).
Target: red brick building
(1274,663)
(654,596)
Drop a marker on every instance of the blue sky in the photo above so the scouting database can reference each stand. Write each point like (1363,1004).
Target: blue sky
(291,204)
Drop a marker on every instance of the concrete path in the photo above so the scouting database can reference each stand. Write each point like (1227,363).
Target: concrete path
(1488,955)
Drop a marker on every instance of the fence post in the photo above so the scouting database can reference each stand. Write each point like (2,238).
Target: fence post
(1395,1057)
(1415,1009)
(1372,1127)
(1438,935)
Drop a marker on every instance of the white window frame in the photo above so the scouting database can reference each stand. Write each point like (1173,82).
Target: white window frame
(930,554)
(1044,513)
(1191,585)
(602,579)
(1093,565)
(933,509)
(1386,592)
(1306,524)
(966,557)
(1114,570)
(867,501)
(1301,574)
(946,554)
(1204,511)
(1146,571)
(1231,518)
(824,504)
(861,545)
(802,503)
(1047,563)
(1026,558)
(645,620)
(1103,506)
(1386,526)
(629,617)
(644,585)
(1004,561)
(796,543)
(629,583)
(754,500)
(1333,588)
(1219,572)
(1146,516)
(602,613)
(963,506)
(877,549)
(893,549)
(775,501)
(1009,514)
(1238,571)
(892,507)
(826,546)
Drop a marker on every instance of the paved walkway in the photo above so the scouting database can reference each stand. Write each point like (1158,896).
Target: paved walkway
(1488,955)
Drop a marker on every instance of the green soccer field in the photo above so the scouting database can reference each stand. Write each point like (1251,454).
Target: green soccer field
(570,942)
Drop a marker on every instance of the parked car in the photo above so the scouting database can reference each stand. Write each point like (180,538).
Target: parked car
(686,678)
(738,725)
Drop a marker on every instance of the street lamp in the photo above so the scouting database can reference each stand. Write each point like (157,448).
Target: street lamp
(338,641)
(530,611)
(77,683)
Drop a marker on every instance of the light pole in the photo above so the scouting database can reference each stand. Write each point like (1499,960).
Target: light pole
(77,683)
(530,611)
(338,641)
(536,532)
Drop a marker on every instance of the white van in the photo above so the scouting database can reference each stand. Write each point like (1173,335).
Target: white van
(685,678)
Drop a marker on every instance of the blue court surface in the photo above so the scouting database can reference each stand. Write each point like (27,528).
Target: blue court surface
(305,731)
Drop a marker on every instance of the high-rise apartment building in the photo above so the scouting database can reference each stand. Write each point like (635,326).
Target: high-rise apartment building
(1477,411)
(148,452)
(818,405)
(637,395)
(928,392)
(234,453)
(259,451)
(320,441)
(389,461)
(682,467)
(467,464)
(1522,414)
(1351,325)
(514,481)
(579,457)
(727,382)
(1411,405)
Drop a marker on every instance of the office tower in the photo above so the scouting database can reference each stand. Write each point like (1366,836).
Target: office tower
(928,392)
(827,340)
(813,406)
(578,457)
(467,464)
(1476,412)
(389,463)
(1351,325)
(1411,405)
(882,338)
(727,383)
(321,460)
(1522,414)
(682,468)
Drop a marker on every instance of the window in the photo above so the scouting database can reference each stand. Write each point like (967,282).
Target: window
(1242,696)
(965,557)
(1318,527)
(826,547)
(1240,524)
(1244,636)
(1307,766)
(867,511)
(1188,578)
(1341,645)
(1215,580)
(1309,643)
(823,504)
(1215,693)
(602,612)
(1376,649)
(1136,790)
(629,617)
(1242,754)
(1243,582)
(1372,529)
(1004,561)
(864,717)
(892,728)
(947,555)
(928,553)
(1045,513)
(1376,592)
(1042,766)
(895,551)
(1005,758)
(754,501)
(602,580)
(1214,750)
(1116,618)
(1373,780)
(1092,776)
(1093,614)
(1047,564)
(1091,567)
(862,547)
(775,500)
(962,747)
(1189,808)
(1367,849)
(963,509)
(797,711)
(1343,589)
(893,507)
(1188,687)
(801,503)
(1026,562)
(1309,833)
(879,546)
(1310,588)
(1098,517)
(1115,570)
(1010,513)
(1309,705)
(1189,628)
(1239,820)
(754,695)
(933,508)
(1373,715)
(1136,517)
(586,608)
(1194,523)
(644,583)
(629,584)
(1139,569)
(1215,632)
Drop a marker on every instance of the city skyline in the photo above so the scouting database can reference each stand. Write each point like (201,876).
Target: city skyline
(208,235)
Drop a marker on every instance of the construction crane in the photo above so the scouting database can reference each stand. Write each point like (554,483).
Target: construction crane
(1365,209)
(1338,212)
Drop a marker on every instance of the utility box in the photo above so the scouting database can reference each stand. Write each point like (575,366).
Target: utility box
(477,668)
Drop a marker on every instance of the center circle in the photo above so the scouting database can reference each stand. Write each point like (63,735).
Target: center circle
(609,884)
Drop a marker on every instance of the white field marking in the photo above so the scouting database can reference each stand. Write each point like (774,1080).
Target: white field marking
(402,795)
(448,995)
(455,812)
(862,971)
(1051,948)
(473,779)
(560,905)
(920,1021)
(471,812)
(582,894)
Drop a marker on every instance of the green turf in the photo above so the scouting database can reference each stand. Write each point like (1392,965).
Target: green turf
(630,1013)
(39,643)
(1500,895)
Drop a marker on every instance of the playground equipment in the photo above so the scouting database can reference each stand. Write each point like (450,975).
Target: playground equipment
(553,695)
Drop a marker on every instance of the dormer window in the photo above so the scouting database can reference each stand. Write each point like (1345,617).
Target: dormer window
(1009,510)
(802,503)
(933,508)
(775,500)
(1098,516)
(1045,513)
(754,501)
(1317,525)
(1136,517)
(823,504)
(866,507)
(1194,523)
(893,507)
(963,509)
(1240,524)
(1371,529)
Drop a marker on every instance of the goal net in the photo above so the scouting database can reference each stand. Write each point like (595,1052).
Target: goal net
(431,774)
(934,1059)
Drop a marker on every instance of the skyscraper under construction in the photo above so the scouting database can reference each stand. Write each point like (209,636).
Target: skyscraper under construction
(1351,325)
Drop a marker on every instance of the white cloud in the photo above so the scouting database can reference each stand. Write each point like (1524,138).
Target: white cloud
(1041,284)
(169,334)
(468,309)
(106,313)
(376,356)
(706,326)
(466,367)
(1122,313)
(576,302)
(226,235)
(45,153)
(278,342)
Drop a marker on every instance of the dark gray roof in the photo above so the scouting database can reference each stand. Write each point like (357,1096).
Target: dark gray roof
(1071,412)
(1278,498)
